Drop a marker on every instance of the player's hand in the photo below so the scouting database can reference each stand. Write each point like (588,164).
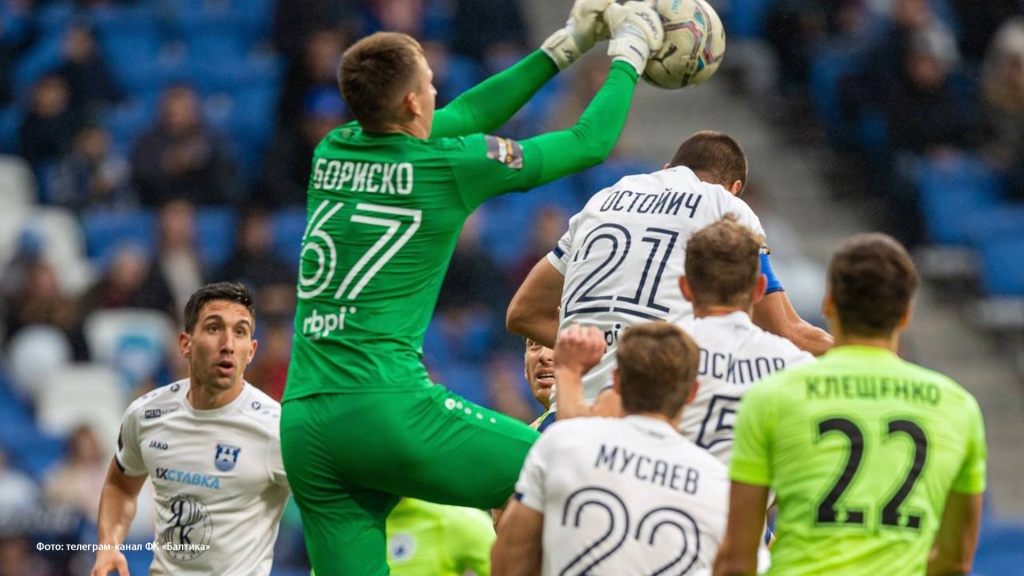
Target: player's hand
(578,349)
(583,29)
(108,561)
(636,33)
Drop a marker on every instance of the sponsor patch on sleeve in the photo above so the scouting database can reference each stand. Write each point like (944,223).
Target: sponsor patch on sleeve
(505,150)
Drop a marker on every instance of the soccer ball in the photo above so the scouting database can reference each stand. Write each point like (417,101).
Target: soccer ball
(693,48)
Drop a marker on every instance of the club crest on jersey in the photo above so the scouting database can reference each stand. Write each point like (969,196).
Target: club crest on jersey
(505,150)
(226,457)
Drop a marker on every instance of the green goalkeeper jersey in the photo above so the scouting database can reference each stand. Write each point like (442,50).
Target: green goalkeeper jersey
(384,213)
(862,450)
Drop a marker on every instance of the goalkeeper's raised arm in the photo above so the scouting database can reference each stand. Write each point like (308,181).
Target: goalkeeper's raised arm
(485,107)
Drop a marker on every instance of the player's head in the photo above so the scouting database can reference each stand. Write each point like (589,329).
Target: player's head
(387,83)
(219,340)
(716,158)
(657,365)
(871,285)
(538,364)
(723,267)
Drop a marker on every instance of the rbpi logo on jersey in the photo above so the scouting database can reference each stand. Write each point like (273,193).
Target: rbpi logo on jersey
(226,457)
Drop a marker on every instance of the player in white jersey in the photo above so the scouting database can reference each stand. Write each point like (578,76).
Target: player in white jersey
(723,281)
(210,444)
(620,261)
(613,496)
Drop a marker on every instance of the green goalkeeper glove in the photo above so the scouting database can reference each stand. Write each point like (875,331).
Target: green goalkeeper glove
(583,29)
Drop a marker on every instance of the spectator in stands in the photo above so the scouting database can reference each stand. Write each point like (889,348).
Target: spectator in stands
(471,299)
(1002,103)
(50,125)
(925,115)
(77,481)
(14,42)
(93,175)
(181,158)
(17,558)
(39,301)
(269,371)
(317,69)
(89,79)
(925,118)
(979,21)
(286,169)
(177,259)
(254,262)
(130,281)
(18,493)
(295,21)
(547,225)
(484,29)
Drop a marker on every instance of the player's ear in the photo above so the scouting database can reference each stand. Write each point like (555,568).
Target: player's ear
(615,381)
(253,344)
(412,104)
(905,318)
(736,187)
(759,289)
(684,286)
(693,392)
(828,306)
(185,344)
(666,166)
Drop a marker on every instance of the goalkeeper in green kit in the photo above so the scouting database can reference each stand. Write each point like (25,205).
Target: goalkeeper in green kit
(361,424)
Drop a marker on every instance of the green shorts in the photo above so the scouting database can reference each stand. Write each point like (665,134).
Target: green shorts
(350,457)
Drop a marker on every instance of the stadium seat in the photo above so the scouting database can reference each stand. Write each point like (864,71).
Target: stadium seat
(131,340)
(41,58)
(827,68)
(952,191)
(34,353)
(17,183)
(289,226)
(82,393)
(63,246)
(466,380)
(216,229)
(1001,271)
(10,120)
(107,231)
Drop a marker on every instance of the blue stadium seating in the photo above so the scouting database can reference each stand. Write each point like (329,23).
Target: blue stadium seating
(289,225)
(10,119)
(1001,271)
(105,232)
(950,192)
(827,68)
(215,227)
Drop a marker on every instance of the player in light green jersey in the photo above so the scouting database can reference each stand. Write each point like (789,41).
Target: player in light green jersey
(878,465)
(361,424)
(427,539)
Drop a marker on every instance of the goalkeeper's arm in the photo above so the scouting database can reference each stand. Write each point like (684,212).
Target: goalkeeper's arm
(489,105)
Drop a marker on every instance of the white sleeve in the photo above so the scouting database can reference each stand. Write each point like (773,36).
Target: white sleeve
(129,452)
(275,461)
(559,256)
(530,487)
(746,217)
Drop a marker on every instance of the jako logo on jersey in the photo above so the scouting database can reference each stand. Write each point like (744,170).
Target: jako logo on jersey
(318,325)
(191,478)
(158,412)
(226,457)
(158,445)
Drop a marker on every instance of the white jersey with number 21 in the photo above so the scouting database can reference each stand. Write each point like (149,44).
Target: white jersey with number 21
(624,253)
